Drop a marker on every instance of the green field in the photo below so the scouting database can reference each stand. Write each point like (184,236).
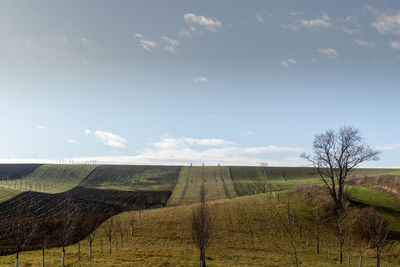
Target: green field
(133,177)
(252,180)
(6,193)
(217,181)
(50,178)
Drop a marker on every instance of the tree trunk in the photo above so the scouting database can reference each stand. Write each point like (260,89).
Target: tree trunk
(131,230)
(116,243)
(109,246)
(378,256)
(341,252)
(90,250)
(329,251)
(42,257)
(63,257)
(79,251)
(17,259)
(318,246)
(348,257)
(122,241)
(101,246)
(202,257)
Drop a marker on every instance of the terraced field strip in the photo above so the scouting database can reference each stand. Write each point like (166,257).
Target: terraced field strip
(133,177)
(217,181)
(50,178)
(252,180)
(6,194)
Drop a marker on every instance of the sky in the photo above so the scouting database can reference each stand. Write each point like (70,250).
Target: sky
(175,82)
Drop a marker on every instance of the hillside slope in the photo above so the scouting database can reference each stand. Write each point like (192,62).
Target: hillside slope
(245,233)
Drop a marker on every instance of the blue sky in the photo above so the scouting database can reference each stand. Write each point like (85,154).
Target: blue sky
(174,82)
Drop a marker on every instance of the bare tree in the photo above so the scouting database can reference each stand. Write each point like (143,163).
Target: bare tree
(132,221)
(335,155)
(93,220)
(20,228)
(201,226)
(108,230)
(375,228)
(282,222)
(69,214)
(120,229)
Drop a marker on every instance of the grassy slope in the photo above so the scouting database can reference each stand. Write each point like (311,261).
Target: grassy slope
(242,232)
(250,180)
(51,178)
(6,193)
(133,177)
(218,185)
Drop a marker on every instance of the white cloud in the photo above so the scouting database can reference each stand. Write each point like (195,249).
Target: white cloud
(185,34)
(208,23)
(184,150)
(388,147)
(170,49)
(88,132)
(260,16)
(41,127)
(330,52)
(138,35)
(288,62)
(61,40)
(145,43)
(323,22)
(395,45)
(170,41)
(84,41)
(364,43)
(72,141)
(85,62)
(200,79)
(110,139)
(386,23)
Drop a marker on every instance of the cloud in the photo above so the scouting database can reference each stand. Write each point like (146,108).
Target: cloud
(184,150)
(260,16)
(208,23)
(395,45)
(200,79)
(386,22)
(288,62)
(388,147)
(88,132)
(61,39)
(323,22)
(110,139)
(185,34)
(364,43)
(85,62)
(170,49)
(170,41)
(72,141)
(145,43)
(330,52)
(41,127)
(84,41)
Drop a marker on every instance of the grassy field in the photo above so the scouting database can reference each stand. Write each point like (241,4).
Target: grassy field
(50,178)
(251,180)
(217,181)
(6,193)
(245,231)
(133,177)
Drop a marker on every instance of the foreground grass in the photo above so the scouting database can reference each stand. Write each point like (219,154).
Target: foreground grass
(245,230)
